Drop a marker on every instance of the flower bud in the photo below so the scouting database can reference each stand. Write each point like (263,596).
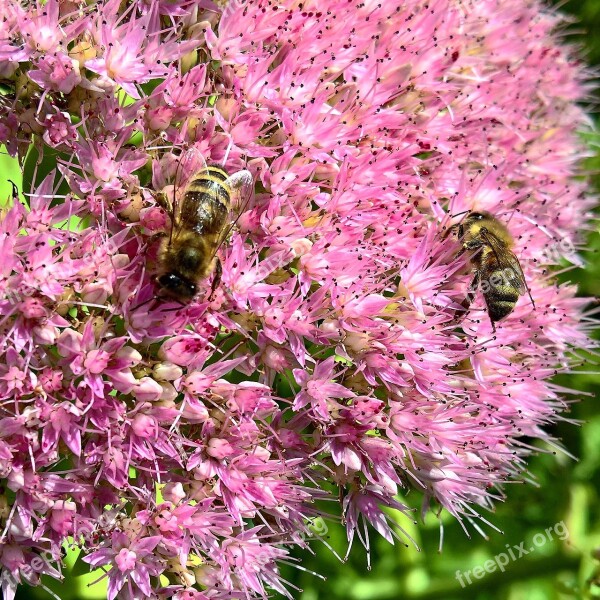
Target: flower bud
(166,371)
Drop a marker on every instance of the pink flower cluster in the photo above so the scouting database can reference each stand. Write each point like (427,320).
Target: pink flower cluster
(183,447)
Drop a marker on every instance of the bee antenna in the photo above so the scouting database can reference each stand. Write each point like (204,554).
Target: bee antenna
(463,212)
(447,217)
(155,298)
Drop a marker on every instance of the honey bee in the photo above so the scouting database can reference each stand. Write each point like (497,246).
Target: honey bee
(498,272)
(198,228)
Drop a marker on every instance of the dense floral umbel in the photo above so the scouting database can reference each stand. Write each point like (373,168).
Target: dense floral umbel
(183,447)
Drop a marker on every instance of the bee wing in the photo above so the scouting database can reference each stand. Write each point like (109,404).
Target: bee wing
(507,262)
(186,165)
(190,163)
(241,184)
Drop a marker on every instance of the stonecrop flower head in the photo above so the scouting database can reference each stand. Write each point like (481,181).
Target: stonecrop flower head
(182,446)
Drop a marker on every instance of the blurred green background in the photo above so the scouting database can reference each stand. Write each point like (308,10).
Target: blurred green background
(565,496)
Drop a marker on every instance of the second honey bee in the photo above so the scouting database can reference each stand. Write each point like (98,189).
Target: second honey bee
(498,272)
(198,228)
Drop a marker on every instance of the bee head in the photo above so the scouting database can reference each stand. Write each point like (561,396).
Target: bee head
(477,216)
(177,287)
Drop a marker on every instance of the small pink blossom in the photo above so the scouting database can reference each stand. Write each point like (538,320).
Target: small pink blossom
(319,391)
(133,563)
(58,73)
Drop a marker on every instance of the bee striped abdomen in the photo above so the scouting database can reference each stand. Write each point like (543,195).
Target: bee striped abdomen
(206,202)
(500,296)
(212,181)
(500,306)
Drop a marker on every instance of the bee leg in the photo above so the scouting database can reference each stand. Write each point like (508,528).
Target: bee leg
(216,277)
(470,296)
(473,245)
(470,246)
(466,303)
(460,252)
(163,201)
(457,230)
(152,299)
(155,238)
